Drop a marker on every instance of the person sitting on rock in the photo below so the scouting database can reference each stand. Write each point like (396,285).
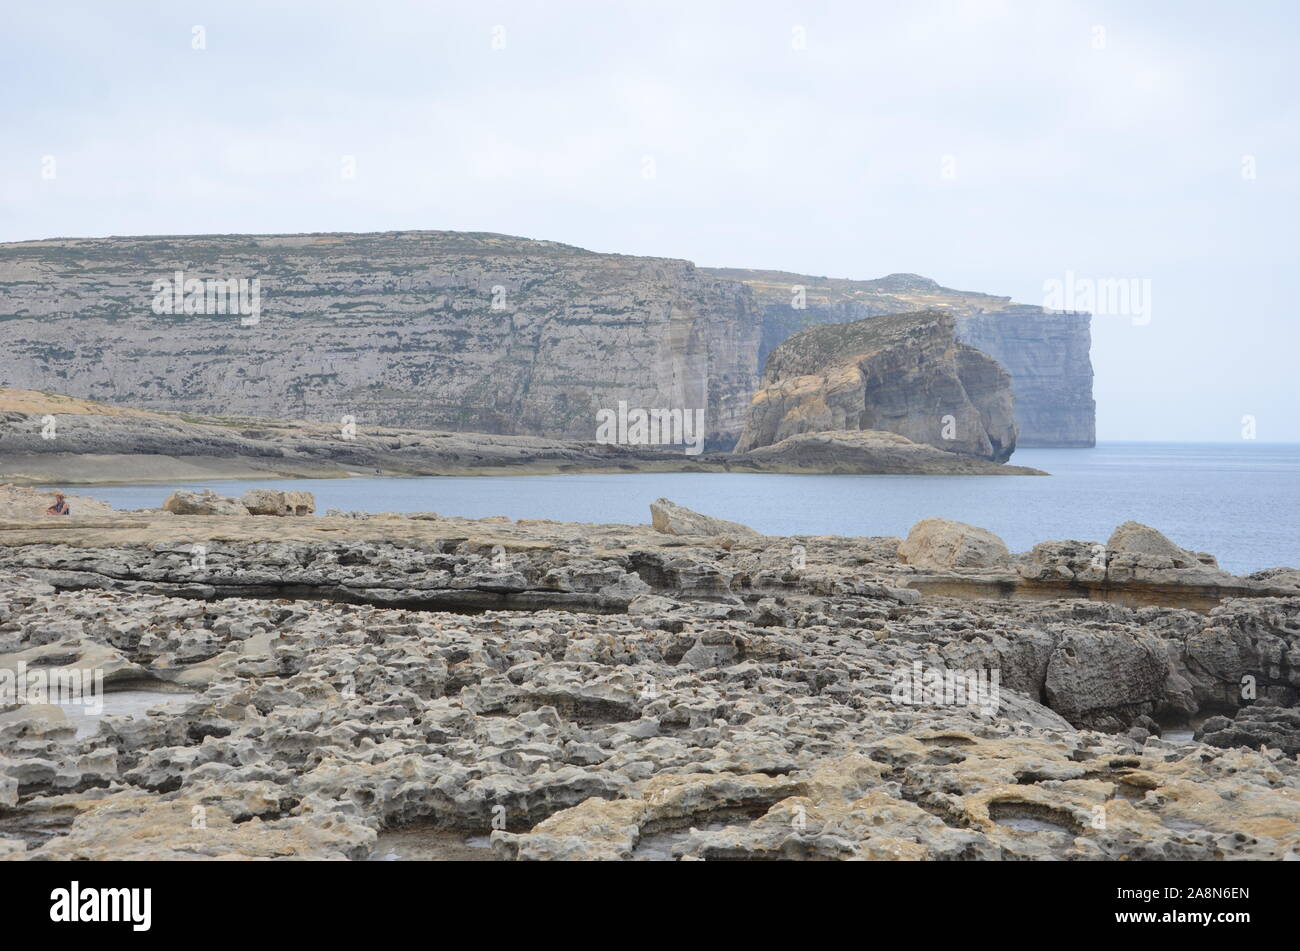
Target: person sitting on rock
(60,506)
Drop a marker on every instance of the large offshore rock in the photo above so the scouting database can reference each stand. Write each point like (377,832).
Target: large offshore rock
(942,543)
(904,373)
(1046,352)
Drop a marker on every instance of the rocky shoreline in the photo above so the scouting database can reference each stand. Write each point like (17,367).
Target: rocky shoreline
(688,689)
(47,439)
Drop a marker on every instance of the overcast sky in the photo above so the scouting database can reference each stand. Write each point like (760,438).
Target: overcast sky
(992,146)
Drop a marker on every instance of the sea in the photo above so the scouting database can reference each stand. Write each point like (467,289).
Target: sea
(1237,501)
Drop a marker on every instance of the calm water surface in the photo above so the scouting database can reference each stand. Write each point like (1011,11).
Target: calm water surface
(1235,500)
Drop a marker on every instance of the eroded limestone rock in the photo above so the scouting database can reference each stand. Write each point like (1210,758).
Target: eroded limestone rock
(277,502)
(901,373)
(677,698)
(205,502)
(673,519)
(943,543)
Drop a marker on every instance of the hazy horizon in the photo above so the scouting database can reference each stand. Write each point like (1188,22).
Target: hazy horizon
(990,146)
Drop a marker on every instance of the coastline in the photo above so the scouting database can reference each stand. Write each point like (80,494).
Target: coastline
(46,439)
(155,469)
(604,685)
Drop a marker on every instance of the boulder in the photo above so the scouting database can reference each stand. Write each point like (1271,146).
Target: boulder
(1105,680)
(1137,553)
(1134,538)
(939,543)
(1281,577)
(1259,724)
(1071,561)
(206,502)
(673,519)
(276,502)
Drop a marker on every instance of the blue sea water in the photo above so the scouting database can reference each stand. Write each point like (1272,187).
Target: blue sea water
(1235,500)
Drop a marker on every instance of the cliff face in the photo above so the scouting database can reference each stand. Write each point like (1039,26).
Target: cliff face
(1047,354)
(468,332)
(436,330)
(904,374)
(1051,372)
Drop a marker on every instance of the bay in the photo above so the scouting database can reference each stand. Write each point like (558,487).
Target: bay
(1237,501)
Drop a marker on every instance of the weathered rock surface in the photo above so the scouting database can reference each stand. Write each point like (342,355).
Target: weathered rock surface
(277,502)
(428,330)
(658,696)
(315,727)
(1046,353)
(943,543)
(456,563)
(23,503)
(204,502)
(1150,546)
(673,519)
(1140,560)
(903,373)
(1262,726)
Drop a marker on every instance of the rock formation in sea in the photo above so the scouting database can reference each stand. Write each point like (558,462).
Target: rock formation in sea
(335,687)
(863,451)
(902,373)
(1046,352)
(462,332)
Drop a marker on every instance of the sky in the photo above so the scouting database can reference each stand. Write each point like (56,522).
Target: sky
(1014,148)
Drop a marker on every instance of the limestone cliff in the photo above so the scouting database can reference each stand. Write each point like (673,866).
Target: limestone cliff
(1051,372)
(435,330)
(466,332)
(1046,353)
(904,373)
